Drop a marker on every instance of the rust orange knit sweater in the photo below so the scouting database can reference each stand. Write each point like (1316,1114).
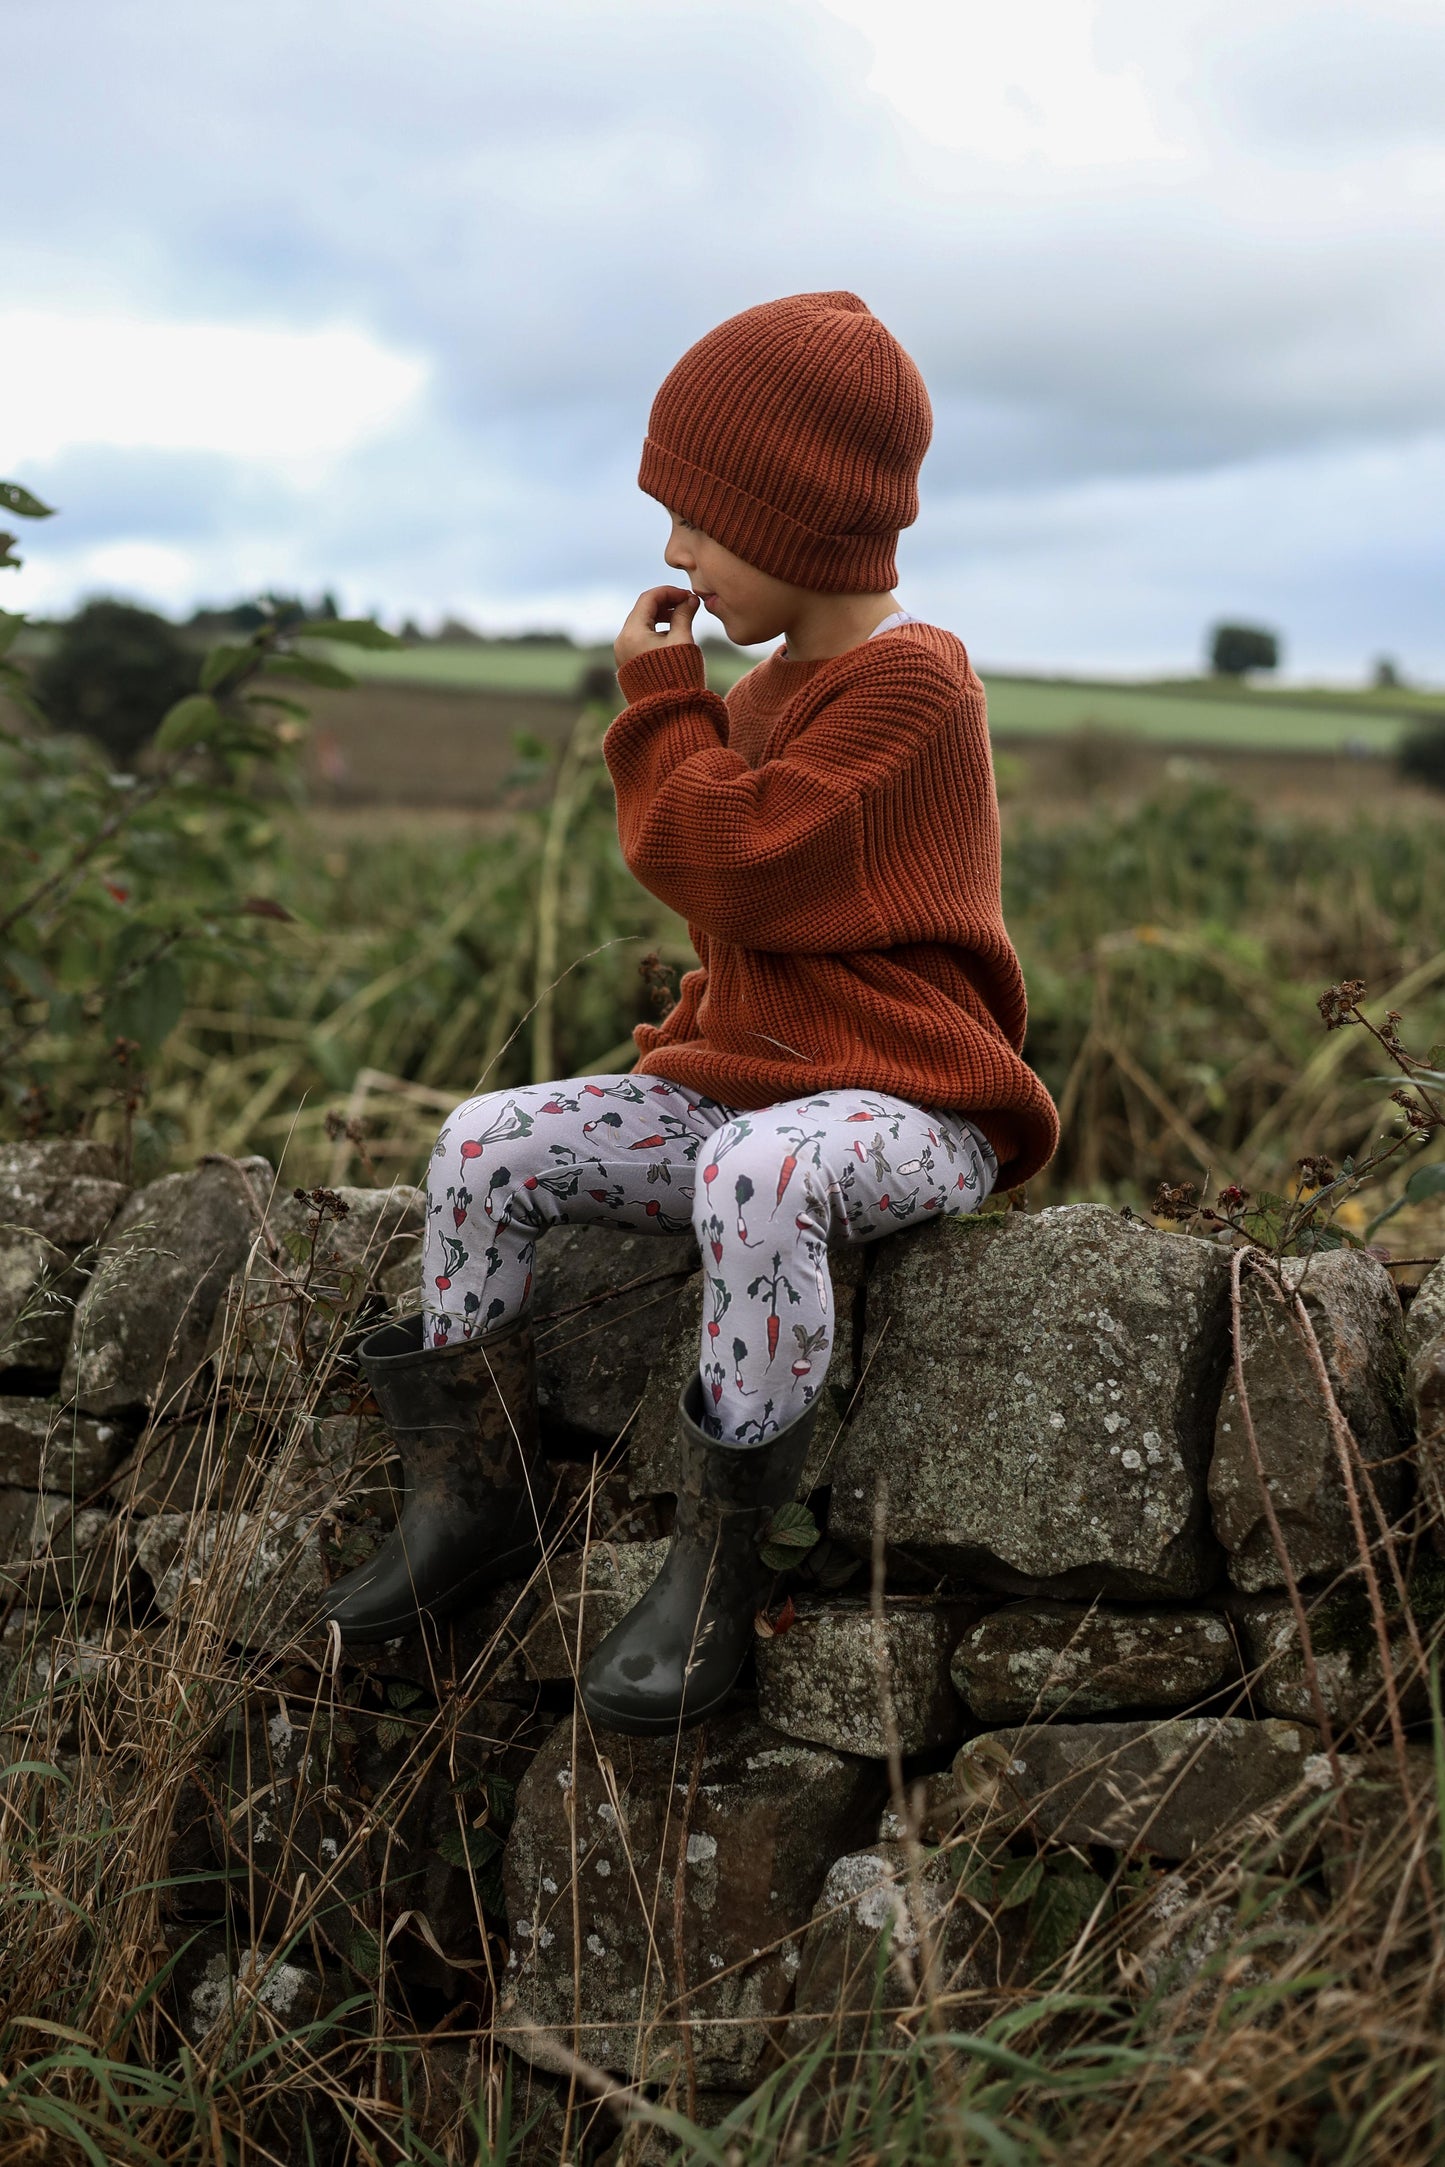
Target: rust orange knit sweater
(830,832)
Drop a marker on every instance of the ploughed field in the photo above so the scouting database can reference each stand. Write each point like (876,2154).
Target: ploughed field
(438,725)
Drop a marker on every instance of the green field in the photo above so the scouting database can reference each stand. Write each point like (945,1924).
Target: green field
(1195,712)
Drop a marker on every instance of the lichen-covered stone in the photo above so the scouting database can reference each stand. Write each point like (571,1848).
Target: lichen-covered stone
(217,1986)
(826,1677)
(1190,1939)
(726,1834)
(45,1445)
(190,1466)
(17,1519)
(74,1553)
(1356,1316)
(1039,1402)
(603,1305)
(144,1321)
(591,1593)
(883,1942)
(1425,1358)
(1037,1659)
(1167,1787)
(653,1443)
(257,1575)
(361,1801)
(286,1314)
(63,1664)
(1346,1653)
(56,1199)
(1360,1851)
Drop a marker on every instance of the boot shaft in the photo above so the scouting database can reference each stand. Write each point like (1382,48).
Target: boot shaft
(475,1399)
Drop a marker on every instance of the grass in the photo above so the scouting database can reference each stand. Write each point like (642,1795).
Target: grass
(1173,954)
(1193,711)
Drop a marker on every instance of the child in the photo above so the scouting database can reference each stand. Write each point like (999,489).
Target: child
(844,1062)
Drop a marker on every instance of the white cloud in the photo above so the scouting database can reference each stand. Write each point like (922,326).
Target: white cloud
(1171,274)
(245,390)
(1007,83)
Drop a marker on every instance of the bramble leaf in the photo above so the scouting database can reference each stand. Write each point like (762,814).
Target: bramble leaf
(192,721)
(15,499)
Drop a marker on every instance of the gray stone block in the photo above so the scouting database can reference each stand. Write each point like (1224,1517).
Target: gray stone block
(1356,1316)
(284,1317)
(725,1834)
(1039,1403)
(144,1321)
(1346,1657)
(1037,1659)
(603,1305)
(1168,1787)
(56,1199)
(825,1678)
(1425,1377)
(45,1445)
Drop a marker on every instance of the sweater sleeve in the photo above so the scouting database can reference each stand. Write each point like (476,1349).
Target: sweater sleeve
(771,857)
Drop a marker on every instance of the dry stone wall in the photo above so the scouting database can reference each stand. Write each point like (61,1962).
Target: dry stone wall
(1048,1598)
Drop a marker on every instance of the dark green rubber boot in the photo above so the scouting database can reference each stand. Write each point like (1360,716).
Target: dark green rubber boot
(464,1419)
(676,1655)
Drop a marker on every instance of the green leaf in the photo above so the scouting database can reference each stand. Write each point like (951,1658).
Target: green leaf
(149,1007)
(469,1846)
(793,1527)
(501,1799)
(223,662)
(789,1536)
(402,1693)
(1018,1881)
(1062,1904)
(277,700)
(310,671)
(1425,1182)
(10,623)
(15,499)
(190,722)
(390,1731)
(364,1952)
(349,631)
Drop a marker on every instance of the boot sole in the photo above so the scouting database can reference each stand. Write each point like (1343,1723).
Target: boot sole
(447,1604)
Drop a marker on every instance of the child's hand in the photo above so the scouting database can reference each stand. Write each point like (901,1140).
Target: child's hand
(637,637)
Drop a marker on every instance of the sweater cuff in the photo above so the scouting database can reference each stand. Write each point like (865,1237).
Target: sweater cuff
(663,669)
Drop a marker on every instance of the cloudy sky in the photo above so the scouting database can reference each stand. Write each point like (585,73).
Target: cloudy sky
(376,296)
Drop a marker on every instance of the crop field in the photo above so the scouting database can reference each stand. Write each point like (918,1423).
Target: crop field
(1182,712)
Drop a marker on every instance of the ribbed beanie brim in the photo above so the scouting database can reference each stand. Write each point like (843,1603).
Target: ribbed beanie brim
(793,434)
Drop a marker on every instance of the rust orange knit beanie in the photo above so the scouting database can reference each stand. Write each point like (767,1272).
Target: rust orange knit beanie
(793,435)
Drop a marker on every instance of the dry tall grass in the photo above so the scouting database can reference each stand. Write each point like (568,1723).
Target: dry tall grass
(1277,2000)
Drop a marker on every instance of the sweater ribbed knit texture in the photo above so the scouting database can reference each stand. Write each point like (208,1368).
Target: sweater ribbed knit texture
(793,434)
(830,832)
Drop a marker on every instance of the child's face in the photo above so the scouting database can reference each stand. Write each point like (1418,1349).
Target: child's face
(751,605)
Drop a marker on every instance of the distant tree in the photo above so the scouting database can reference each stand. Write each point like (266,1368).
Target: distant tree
(412,631)
(544,639)
(456,632)
(1236,649)
(113,672)
(1420,754)
(1386,675)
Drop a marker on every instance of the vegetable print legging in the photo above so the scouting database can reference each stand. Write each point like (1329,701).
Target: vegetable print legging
(764,1191)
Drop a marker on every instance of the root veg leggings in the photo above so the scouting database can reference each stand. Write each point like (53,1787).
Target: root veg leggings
(765,1192)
